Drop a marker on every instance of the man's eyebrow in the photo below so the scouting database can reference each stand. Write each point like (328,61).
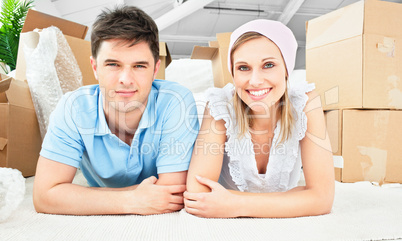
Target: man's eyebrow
(110,60)
(142,62)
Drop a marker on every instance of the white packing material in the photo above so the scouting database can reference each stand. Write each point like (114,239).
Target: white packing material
(12,191)
(194,74)
(51,71)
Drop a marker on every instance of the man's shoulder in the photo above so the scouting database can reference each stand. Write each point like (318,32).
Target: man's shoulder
(168,91)
(162,85)
(80,105)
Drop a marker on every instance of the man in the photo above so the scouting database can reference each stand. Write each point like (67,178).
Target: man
(132,136)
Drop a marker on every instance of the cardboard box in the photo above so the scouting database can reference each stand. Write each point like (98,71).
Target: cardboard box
(369,142)
(20,140)
(38,20)
(217,52)
(353,56)
(166,59)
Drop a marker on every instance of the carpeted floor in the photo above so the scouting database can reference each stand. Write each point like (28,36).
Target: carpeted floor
(361,211)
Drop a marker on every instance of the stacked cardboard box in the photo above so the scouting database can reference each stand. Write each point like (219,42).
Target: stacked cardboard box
(20,140)
(353,55)
(217,52)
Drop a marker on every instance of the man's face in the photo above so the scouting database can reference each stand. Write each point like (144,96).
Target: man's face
(125,74)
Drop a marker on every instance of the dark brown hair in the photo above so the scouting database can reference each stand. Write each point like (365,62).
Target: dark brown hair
(128,23)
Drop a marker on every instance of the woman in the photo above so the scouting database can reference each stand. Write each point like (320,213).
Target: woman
(256,135)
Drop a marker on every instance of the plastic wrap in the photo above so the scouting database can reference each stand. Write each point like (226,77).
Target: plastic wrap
(51,71)
(12,191)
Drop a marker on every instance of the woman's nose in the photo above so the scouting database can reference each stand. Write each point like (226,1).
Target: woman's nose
(256,78)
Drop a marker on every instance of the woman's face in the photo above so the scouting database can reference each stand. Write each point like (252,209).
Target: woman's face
(259,74)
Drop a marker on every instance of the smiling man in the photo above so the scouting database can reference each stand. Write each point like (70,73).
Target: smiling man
(132,136)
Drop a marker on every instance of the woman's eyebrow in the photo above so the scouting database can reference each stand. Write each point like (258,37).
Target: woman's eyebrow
(269,58)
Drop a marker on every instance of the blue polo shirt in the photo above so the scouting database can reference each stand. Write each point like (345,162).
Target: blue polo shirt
(78,135)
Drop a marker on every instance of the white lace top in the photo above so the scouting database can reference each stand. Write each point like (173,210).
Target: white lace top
(239,169)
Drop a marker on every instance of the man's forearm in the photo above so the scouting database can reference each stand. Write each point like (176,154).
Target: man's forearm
(73,199)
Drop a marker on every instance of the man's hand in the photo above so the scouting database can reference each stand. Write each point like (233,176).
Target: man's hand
(155,199)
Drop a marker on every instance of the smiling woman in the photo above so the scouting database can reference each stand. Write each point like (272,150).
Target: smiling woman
(262,135)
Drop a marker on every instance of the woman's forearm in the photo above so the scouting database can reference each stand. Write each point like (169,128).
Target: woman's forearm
(294,203)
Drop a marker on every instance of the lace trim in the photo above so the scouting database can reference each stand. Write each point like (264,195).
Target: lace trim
(298,98)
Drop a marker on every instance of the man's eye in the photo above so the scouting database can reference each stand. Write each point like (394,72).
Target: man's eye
(243,68)
(139,66)
(112,64)
(268,65)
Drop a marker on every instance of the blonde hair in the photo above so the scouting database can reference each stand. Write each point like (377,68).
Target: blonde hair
(244,120)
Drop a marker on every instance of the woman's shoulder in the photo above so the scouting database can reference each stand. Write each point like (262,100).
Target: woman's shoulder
(224,94)
(220,104)
(300,93)
(299,90)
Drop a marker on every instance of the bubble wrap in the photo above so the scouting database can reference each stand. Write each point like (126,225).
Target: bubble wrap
(12,191)
(52,70)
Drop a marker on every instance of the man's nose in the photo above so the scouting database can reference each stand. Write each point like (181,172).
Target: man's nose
(126,76)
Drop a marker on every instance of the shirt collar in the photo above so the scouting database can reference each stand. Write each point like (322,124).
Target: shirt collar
(149,116)
(102,127)
(147,120)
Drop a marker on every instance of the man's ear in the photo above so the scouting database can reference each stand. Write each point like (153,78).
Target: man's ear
(157,65)
(93,64)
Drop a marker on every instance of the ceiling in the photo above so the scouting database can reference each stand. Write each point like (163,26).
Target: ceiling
(183,24)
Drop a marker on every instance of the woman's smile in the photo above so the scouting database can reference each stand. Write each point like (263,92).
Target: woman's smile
(258,94)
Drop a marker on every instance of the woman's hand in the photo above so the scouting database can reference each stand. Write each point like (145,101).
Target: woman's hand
(219,203)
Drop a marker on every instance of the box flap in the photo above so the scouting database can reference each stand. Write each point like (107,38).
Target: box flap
(340,24)
(82,51)
(223,39)
(3,143)
(214,44)
(164,52)
(4,83)
(162,49)
(35,19)
(383,18)
(202,52)
(17,93)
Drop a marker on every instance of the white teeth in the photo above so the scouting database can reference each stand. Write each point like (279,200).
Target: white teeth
(259,92)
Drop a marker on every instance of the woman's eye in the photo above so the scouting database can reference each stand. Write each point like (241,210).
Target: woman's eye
(243,68)
(268,65)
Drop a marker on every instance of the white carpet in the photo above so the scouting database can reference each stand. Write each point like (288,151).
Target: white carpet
(361,211)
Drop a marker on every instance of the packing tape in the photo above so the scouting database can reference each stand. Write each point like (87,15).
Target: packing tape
(332,96)
(338,161)
(395,92)
(3,143)
(387,47)
(375,166)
